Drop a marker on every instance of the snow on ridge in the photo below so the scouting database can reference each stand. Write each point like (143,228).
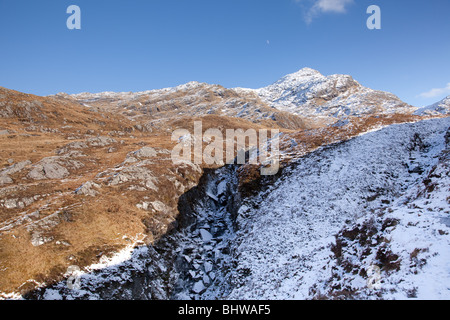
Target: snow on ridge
(306,92)
(309,93)
(441,107)
(132,95)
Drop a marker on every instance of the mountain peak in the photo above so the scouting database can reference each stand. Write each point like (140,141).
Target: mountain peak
(308,93)
(306,72)
(301,75)
(441,107)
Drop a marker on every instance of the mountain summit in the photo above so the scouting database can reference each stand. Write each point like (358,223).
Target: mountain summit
(441,107)
(308,93)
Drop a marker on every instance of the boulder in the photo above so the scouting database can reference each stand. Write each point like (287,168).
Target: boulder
(87,189)
(100,141)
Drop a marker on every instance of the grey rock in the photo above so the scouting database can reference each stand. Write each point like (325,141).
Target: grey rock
(146,152)
(135,173)
(100,141)
(72,145)
(17,167)
(5,179)
(206,236)
(87,189)
(199,287)
(55,167)
(11,203)
(48,171)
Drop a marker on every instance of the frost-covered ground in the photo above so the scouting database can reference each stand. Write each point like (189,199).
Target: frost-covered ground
(283,249)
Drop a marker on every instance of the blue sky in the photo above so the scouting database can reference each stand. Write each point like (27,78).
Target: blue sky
(139,45)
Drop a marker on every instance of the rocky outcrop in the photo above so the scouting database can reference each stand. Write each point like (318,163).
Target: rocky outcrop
(13,169)
(57,167)
(88,189)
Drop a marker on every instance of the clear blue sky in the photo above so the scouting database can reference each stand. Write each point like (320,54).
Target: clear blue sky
(139,45)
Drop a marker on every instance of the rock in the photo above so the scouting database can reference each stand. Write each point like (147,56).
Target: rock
(35,214)
(5,179)
(87,189)
(206,236)
(222,188)
(38,240)
(17,167)
(146,152)
(11,204)
(100,141)
(27,201)
(206,279)
(159,206)
(208,267)
(199,287)
(17,203)
(63,243)
(55,167)
(48,171)
(135,173)
(149,205)
(71,146)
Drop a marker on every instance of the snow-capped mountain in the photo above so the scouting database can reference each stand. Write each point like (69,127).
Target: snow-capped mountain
(310,94)
(441,107)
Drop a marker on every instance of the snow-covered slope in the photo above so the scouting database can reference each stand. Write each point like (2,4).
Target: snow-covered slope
(285,246)
(311,94)
(441,107)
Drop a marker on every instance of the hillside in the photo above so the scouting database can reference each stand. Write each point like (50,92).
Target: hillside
(87,180)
